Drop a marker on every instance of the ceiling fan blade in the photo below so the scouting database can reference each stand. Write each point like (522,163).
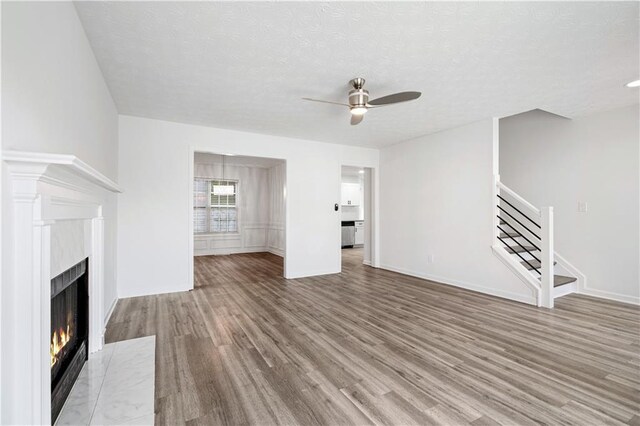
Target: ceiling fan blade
(325,102)
(396,98)
(356,119)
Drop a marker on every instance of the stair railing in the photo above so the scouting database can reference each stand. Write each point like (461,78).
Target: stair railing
(515,218)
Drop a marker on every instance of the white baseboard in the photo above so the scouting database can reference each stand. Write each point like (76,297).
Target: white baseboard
(530,300)
(366,262)
(609,295)
(225,251)
(276,251)
(306,274)
(185,287)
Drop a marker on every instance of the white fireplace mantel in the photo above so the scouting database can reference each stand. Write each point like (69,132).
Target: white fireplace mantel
(26,162)
(46,188)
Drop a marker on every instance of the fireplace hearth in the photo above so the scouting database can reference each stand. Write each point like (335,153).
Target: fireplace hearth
(69,332)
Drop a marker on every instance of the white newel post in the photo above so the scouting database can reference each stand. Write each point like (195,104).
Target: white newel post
(496,180)
(46,188)
(547,257)
(496,212)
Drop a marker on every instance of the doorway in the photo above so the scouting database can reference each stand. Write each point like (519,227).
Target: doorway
(356,219)
(238,208)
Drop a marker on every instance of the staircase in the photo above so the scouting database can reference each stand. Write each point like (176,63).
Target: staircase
(523,240)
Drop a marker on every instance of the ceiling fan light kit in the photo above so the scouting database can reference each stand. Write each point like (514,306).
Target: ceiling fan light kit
(359,102)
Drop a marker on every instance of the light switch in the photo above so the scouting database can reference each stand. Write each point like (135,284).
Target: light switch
(582,206)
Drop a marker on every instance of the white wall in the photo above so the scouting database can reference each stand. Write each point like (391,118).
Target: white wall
(552,161)
(436,200)
(154,169)
(54,100)
(369,200)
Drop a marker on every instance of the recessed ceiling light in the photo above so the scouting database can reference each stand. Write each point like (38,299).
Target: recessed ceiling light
(634,84)
(360,171)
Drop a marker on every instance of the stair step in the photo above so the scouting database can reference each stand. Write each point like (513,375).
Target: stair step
(508,234)
(559,280)
(518,249)
(533,263)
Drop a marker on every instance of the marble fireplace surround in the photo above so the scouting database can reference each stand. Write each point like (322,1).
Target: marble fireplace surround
(46,189)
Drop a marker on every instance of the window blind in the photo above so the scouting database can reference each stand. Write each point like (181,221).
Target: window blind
(214,213)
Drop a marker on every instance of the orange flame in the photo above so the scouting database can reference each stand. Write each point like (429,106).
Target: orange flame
(59,339)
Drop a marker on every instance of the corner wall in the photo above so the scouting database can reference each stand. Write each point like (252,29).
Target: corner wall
(436,211)
(155,157)
(552,161)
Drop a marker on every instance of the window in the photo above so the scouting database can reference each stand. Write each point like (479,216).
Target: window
(211,212)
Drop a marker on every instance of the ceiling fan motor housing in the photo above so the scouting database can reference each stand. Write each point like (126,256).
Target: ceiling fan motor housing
(358,97)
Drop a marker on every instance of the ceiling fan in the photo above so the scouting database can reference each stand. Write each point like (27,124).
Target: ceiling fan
(359,102)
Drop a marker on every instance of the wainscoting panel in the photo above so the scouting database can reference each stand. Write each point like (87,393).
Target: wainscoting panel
(200,244)
(275,239)
(255,236)
(217,244)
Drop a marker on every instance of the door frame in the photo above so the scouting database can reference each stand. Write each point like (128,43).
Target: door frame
(371,218)
(191,235)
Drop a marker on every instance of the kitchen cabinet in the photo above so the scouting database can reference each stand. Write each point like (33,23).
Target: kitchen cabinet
(350,194)
(359,236)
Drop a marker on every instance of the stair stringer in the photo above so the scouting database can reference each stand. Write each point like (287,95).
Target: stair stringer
(520,271)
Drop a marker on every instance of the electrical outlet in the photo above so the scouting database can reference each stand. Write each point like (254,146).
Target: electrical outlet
(430,258)
(582,206)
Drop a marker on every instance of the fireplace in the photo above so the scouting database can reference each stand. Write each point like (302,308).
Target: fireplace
(69,332)
(48,190)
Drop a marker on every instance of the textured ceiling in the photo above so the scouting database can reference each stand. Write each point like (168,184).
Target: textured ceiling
(245,66)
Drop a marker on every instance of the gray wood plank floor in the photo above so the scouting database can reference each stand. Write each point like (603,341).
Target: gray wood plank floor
(369,346)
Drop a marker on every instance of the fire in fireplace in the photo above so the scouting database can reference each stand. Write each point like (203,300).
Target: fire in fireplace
(58,341)
(69,332)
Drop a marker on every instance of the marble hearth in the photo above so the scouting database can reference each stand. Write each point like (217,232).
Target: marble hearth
(115,387)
